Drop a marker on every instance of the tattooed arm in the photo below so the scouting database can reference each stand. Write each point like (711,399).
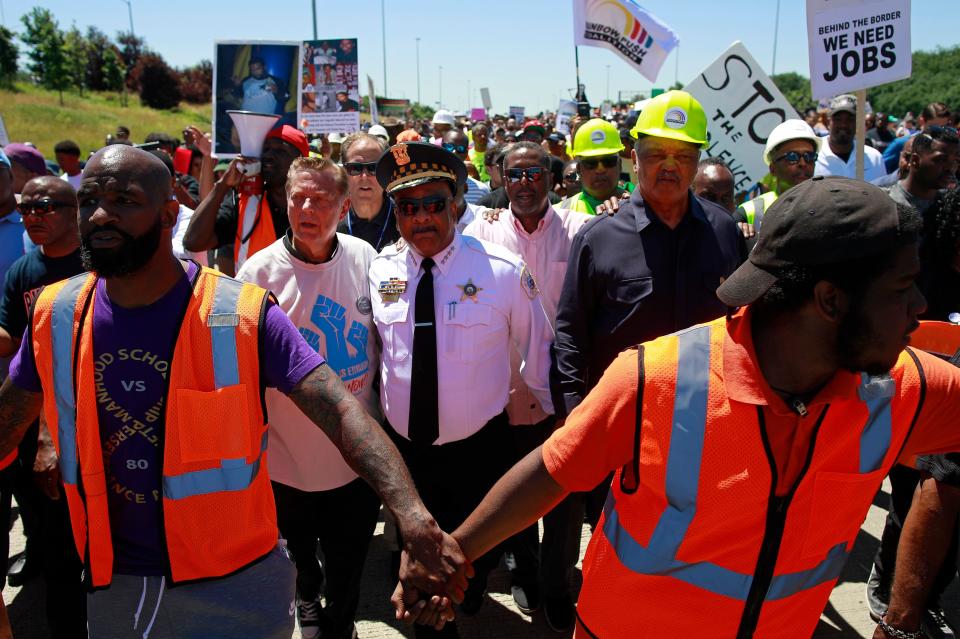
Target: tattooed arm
(18,409)
(433,561)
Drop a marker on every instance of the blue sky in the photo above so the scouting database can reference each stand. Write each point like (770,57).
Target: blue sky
(521,49)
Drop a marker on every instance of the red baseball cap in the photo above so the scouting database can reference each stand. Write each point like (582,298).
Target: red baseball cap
(293,136)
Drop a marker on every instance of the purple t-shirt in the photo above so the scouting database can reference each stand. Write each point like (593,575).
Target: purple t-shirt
(132,351)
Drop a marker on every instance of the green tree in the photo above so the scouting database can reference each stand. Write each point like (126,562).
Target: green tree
(76,52)
(48,64)
(796,89)
(131,48)
(114,71)
(99,49)
(8,58)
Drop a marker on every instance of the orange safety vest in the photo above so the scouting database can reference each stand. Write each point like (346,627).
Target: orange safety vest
(218,508)
(255,230)
(694,541)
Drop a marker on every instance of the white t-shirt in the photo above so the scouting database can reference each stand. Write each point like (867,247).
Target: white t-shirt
(330,305)
(74,180)
(828,163)
(179,230)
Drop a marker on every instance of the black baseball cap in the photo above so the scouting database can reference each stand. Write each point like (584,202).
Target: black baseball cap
(823,221)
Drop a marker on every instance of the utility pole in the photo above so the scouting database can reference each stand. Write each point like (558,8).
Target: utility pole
(418,69)
(383,28)
(130,13)
(776,29)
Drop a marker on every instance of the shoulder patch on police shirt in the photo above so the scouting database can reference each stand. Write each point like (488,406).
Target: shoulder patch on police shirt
(527,283)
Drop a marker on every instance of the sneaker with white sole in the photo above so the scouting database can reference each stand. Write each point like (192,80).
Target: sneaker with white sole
(935,625)
(308,617)
(878,595)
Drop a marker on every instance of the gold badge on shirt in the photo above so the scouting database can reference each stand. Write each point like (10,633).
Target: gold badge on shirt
(469,291)
(390,290)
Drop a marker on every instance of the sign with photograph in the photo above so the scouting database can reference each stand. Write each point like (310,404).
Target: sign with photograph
(257,76)
(331,86)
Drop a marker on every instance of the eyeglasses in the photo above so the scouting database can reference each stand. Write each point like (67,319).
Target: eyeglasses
(432,205)
(455,148)
(532,174)
(358,168)
(794,157)
(590,164)
(40,208)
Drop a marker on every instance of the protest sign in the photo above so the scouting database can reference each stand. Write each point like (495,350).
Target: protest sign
(258,76)
(565,112)
(478,114)
(4,138)
(516,112)
(743,106)
(627,29)
(856,44)
(485,98)
(392,106)
(372,97)
(330,72)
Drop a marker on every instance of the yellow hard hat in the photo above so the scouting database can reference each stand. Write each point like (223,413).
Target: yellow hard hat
(676,115)
(596,137)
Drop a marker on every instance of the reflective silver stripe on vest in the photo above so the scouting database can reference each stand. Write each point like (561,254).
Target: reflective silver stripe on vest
(61,330)
(759,206)
(232,475)
(683,464)
(876,393)
(222,321)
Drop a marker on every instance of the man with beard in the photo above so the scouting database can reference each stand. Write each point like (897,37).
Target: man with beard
(732,440)
(150,373)
(49,209)
(838,152)
(253,220)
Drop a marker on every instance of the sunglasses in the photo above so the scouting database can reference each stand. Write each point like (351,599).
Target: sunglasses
(571,177)
(532,174)
(39,208)
(608,162)
(793,157)
(409,207)
(359,168)
(455,148)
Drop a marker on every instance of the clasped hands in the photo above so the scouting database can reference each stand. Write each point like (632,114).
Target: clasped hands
(433,576)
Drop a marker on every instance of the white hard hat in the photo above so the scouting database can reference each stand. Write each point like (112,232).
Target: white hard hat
(335,138)
(794,129)
(379,131)
(444,117)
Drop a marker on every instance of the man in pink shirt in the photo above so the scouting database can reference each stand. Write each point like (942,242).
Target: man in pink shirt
(542,236)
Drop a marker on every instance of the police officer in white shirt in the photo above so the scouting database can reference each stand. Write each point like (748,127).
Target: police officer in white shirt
(542,236)
(449,309)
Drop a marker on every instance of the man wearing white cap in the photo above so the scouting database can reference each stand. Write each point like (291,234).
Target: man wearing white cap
(378,131)
(837,156)
(791,154)
(443,121)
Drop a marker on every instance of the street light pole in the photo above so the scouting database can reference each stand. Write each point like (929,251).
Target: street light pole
(418,69)
(776,29)
(383,28)
(314,4)
(608,82)
(130,13)
(440,76)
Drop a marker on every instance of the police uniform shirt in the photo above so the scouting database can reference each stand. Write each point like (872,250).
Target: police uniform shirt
(486,303)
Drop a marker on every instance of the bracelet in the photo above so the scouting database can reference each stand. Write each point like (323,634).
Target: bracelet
(897,633)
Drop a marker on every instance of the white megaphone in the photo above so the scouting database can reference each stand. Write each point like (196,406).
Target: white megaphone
(252,129)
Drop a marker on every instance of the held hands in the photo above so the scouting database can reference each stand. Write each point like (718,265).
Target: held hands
(433,563)
(409,608)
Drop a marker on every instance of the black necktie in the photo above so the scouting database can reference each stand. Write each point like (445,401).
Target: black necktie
(424,424)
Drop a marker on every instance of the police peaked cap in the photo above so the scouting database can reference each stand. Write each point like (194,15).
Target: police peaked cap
(410,164)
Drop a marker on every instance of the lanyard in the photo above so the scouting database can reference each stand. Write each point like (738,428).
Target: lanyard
(383,229)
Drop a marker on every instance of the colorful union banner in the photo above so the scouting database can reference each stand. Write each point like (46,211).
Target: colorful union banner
(624,27)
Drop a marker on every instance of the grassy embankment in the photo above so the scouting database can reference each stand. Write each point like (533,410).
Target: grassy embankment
(35,115)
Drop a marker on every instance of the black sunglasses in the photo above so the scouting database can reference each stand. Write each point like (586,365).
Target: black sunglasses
(434,204)
(358,168)
(608,162)
(455,148)
(793,157)
(571,177)
(533,174)
(39,208)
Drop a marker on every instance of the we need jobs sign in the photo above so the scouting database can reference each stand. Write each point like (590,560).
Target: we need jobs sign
(856,44)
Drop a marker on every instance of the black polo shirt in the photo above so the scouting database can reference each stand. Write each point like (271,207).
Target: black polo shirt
(380,231)
(631,278)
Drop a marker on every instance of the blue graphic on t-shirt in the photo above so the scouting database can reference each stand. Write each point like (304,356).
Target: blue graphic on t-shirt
(330,318)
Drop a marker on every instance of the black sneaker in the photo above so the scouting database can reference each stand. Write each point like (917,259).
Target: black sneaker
(526,597)
(559,613)
(21,570)
(935,624)
(308,614)
(878,595)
